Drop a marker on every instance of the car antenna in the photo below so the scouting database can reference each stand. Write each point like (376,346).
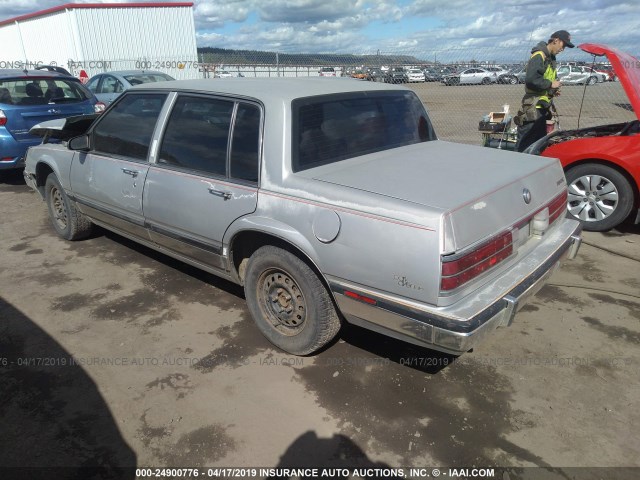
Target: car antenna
(584,90)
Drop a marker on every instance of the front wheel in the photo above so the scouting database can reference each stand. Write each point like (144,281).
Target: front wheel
(68,222)
(592,81)
(288,302)
(513,80)
(599,196)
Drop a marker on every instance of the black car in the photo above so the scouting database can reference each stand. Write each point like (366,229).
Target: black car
(375,75)
(432,75)
(397,75)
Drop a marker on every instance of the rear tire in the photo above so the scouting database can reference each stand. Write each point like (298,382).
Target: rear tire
(513,80)
(67,221)
(486,81)
(288,302)
(599,196)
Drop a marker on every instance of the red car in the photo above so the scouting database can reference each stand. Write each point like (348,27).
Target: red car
(602,164)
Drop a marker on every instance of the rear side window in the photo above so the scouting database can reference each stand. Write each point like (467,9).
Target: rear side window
(330,128)
(41,91)
(127,128)
(197,135)
(245,143)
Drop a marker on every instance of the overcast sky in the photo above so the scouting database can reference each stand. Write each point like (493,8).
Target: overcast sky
(444,29)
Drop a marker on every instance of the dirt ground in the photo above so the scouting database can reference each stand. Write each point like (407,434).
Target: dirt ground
(114,355)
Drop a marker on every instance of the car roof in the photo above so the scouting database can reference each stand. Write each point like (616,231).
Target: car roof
(269,89)
(17,73)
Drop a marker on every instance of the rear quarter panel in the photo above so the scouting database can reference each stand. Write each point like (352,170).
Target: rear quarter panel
(373,251)
(56,156)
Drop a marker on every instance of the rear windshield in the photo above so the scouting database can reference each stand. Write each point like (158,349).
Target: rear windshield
(137,79)
(41,91)
(330,128)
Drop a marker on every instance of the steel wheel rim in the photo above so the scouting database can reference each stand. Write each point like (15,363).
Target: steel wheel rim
(592,198)
(58,208)
(282,301)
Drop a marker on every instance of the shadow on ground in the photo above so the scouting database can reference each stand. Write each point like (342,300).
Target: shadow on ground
(338,454)
(55,422)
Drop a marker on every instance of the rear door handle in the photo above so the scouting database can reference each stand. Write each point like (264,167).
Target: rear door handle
(218,193)
(133,173)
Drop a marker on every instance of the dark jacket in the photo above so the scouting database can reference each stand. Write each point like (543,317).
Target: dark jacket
(536,67)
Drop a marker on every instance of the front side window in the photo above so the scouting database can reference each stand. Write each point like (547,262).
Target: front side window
(330,128)
(111,84)
(127,128)
(93,84)
(197,135)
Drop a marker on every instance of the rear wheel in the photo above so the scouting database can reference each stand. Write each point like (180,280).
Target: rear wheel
(513,80)
(68,222)
(486,81)
(599,196)
(288,302)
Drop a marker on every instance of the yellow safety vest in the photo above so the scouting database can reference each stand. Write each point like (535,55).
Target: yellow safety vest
(550,74)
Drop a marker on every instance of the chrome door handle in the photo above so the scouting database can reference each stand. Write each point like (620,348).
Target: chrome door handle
(133,173)
(218,193)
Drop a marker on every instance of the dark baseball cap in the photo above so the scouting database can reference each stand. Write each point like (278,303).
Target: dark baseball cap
(564,36)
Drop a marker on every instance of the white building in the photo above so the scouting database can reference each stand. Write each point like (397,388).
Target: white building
(104,37)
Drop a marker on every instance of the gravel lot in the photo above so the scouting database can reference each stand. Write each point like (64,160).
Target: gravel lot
(114,355)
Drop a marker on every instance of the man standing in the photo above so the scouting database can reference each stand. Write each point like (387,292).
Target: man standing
(541,85)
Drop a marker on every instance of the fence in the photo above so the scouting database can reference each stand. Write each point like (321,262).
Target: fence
(455,110)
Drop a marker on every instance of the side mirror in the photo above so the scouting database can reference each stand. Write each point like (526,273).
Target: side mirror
(80,143)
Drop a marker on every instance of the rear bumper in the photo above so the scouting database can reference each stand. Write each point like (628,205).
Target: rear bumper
(460,327)
(30,180)
(12,163)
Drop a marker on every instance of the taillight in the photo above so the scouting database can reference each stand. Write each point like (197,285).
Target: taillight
(557,206)
(3,118)
(458,270)
(99,107)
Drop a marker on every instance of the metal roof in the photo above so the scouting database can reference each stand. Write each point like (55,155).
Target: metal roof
(72,6)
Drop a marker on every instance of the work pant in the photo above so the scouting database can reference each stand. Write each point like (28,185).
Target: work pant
(530,132)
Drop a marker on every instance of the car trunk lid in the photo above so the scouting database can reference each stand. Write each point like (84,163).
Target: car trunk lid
(20,121)
(477,191)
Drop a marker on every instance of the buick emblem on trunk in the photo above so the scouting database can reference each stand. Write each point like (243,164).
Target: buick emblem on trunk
(526,194)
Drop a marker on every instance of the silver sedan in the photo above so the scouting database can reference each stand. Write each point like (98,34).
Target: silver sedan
(108,86)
